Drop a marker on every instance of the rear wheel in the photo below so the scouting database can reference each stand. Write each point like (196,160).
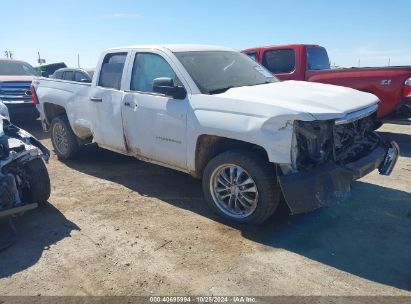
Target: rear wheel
(63,138)
(39,182)
(241,186)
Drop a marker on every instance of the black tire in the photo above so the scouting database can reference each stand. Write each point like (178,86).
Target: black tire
(62,123)
(262,172)
(39,182)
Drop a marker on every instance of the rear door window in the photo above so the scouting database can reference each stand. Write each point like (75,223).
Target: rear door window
(68,75)
(112,70)
(279,61)
(317,59)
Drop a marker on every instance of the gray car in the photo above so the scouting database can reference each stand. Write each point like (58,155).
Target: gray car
(74,74)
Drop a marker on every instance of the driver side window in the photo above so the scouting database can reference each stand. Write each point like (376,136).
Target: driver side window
(146,68)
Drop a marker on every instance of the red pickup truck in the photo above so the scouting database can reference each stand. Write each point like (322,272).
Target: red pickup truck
(392,85)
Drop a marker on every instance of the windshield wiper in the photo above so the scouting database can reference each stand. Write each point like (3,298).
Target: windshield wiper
(220,90)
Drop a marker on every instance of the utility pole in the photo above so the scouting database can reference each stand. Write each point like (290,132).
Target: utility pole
(78,60)
(359,62)
(389,61)
(40,60)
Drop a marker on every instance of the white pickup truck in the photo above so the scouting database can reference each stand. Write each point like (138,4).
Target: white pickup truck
(218,115)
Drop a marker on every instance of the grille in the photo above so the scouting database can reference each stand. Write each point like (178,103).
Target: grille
(354,140)
(319,142)
(15,91)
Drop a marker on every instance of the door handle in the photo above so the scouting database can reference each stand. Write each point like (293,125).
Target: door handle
(129,104)
(96,99)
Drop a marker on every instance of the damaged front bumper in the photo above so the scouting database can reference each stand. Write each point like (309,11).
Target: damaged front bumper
(308,190)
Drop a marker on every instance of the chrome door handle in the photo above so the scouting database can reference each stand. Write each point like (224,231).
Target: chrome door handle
(96,99)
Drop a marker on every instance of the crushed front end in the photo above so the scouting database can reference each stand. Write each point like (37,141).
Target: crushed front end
(17,149)
(327,156)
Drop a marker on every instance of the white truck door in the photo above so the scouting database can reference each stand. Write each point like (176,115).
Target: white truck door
(154,124)
(106,98)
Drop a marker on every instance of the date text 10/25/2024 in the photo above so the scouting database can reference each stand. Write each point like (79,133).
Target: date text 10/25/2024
(203,299)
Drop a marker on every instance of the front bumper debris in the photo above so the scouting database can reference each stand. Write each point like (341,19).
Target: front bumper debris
(13,131)
(309,190)
(18,210)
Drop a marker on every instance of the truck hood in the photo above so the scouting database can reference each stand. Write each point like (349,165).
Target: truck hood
(15,78)
(322,101)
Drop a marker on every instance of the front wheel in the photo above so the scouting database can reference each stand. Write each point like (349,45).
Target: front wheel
(38,180)
(241,186)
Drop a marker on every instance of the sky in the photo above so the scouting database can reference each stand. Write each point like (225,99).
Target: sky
(369,33)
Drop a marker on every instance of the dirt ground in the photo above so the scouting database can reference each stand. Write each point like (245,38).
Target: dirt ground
(118,226)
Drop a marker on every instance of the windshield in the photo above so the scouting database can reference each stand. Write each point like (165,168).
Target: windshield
(217,71)
(17,68)
(317,59)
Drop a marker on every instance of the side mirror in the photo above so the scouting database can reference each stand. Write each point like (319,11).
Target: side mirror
(165,85)
(45,74)
(85,80)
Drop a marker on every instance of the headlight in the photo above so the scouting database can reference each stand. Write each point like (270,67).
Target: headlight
(4,111)
(314,141)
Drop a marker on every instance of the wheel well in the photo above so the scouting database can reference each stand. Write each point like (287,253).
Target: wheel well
(52,110)
(209,146)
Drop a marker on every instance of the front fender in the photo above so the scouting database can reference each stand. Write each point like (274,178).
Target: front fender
(274,135)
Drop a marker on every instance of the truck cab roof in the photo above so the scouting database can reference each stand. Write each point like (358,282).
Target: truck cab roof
(283,46)
(175,47)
